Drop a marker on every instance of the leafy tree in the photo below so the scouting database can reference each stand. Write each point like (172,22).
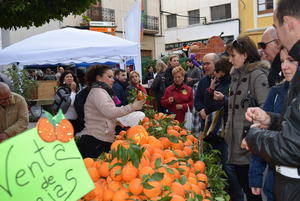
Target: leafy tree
(26,13)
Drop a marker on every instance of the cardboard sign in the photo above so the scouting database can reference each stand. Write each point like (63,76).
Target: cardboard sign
(31,169)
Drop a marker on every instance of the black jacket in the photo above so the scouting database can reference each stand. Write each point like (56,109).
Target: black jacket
(169,76)
(280,145)
(275,75)
(119,89)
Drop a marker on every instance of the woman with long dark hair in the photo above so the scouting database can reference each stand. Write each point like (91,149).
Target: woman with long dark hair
(101,112)
(65,96)
(248,88)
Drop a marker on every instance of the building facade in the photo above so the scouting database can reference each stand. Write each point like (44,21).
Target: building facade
(115,11)
(190,21)
(256,16)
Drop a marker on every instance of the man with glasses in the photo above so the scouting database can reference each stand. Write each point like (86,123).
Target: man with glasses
(270,46)
(13,113)
(280,144)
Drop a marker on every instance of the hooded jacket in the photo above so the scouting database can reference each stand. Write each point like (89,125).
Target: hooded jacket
(250,78)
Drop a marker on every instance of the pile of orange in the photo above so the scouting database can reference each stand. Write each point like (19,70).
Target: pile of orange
(141,166)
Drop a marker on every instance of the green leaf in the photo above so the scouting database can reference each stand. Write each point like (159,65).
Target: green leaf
(157,163)
(173,139)
(50,118)
(182,179)
(146,185)
(157,176)
(172,162)
(167,198)
(169,170)
(58,117)
(219,199)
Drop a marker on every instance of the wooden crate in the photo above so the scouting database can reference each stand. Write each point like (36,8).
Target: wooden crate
(45,89)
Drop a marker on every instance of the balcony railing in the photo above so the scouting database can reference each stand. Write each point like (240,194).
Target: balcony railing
(101,14)
(151,23)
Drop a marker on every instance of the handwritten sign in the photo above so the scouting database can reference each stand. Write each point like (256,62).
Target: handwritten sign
(31,169)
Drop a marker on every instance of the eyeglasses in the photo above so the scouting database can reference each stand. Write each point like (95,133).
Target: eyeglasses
(262,45)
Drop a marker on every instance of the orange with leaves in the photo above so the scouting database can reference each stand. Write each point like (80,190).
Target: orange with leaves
(147,170)
(154,191)
(115,173)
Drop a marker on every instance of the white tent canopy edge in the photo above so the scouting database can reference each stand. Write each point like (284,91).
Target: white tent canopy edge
(70,45)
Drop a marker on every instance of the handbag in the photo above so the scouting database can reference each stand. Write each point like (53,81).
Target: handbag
(188,119)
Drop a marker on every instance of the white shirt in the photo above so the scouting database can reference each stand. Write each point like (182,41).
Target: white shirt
(71,113)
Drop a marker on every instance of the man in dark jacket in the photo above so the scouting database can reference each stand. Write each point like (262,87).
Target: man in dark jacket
(193,73)
(119,86)
(270,45)
(209,61)
(280,145)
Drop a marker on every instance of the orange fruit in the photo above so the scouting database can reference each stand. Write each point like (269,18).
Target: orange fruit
(173,132)
(108,194)
(178,145)
(179,153)
(120,195)
(187,151)
(155,143)
(138,134)
(177,189)
(103,169)
(184,170)
(199,166)
(165,142)
(145,119)
(167,180)
(147,170)
(195,188)
(202,185)
(114,185)
(64,131)
(115,173)
(89,162)
(202,177)
(93,172)
(129,172)
(155,191)
(168,153)
(177,198)
(135,186)
(115,144)
(46,130)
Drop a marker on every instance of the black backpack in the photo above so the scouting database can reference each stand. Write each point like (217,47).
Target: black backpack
(79,102)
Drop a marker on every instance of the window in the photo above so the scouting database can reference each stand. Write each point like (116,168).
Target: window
(264,6)
(194,17)
(220,12)
(171,21)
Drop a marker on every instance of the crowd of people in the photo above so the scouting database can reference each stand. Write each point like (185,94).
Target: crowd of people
(245,103)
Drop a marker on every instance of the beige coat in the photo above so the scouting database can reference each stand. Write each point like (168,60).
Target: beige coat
(259,88)
(100,115)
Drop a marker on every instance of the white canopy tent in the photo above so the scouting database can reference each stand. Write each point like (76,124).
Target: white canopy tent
(70,45)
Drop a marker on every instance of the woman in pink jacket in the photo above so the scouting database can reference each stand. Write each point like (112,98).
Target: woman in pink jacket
(100,112)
